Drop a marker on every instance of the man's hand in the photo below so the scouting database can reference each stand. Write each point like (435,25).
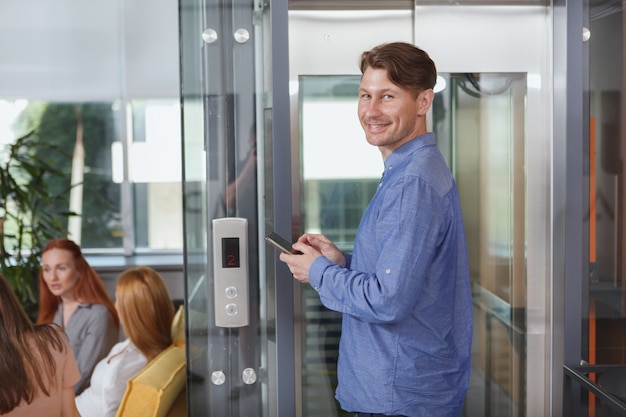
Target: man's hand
(312,247)
(325,246)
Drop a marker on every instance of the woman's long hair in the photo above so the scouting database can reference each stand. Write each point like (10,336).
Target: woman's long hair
(146,309)
(26,361)
(89,288)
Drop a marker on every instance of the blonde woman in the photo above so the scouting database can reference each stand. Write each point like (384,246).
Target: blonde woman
(37,367)
(146,311)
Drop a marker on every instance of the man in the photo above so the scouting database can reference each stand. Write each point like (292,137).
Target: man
(405,291)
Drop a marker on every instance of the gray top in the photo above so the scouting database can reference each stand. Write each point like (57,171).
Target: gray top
(91,334)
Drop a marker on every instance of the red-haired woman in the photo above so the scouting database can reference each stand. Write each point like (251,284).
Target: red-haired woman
(72,295)
(37,367)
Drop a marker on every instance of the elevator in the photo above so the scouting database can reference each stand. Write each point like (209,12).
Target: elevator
(271,142)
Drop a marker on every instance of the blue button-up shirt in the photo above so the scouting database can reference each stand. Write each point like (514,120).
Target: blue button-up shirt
(404,293)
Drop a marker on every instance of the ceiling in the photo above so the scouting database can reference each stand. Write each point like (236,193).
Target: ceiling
(402,4)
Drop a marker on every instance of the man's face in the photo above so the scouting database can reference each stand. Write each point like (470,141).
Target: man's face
(390,115)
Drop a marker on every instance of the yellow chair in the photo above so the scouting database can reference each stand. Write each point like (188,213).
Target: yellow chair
(160,389)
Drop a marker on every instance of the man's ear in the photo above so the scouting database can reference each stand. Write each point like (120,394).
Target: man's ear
(424,101)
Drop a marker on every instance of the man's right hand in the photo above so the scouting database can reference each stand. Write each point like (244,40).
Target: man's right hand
(325,246)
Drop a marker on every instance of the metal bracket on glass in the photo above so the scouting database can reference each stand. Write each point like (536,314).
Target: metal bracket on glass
(218,377)
(248,376)
(209,36)
(241,35)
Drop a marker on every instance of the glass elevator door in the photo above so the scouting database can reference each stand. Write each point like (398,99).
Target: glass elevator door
(228,99)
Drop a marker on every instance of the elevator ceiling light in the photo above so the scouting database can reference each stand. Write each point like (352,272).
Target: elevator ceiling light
(440,85)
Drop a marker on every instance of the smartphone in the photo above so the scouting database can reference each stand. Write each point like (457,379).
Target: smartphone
(279,243)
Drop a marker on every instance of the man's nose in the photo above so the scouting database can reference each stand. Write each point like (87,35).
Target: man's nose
(371,108)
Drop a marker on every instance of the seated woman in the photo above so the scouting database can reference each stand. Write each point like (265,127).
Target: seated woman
(37,367)
(146,311)
(72,295)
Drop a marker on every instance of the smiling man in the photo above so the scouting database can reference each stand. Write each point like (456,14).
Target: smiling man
(404,291)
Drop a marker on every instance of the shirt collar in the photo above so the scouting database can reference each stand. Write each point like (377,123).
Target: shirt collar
(422,141)
(79,304)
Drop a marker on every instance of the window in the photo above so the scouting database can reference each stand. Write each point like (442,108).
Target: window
(90,154)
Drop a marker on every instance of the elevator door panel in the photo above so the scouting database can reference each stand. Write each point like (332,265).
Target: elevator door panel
(227,128)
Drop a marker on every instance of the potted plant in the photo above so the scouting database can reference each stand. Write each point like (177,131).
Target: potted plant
(27,220)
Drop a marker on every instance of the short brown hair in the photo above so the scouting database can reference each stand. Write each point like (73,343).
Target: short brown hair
(407,65)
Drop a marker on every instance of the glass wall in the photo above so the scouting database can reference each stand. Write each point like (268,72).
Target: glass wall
(604,320)
(337,186)
(486,117)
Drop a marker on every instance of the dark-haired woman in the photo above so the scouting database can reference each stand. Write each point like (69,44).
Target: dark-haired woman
(37,367)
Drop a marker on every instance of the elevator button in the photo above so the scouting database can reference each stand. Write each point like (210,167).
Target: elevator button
(231,309)
(231,292)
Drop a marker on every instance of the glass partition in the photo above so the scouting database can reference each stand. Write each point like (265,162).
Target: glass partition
(228,186)
(337,186)
(604,316)
(485,115)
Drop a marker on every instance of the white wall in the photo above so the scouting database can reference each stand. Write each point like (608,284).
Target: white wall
(88,49)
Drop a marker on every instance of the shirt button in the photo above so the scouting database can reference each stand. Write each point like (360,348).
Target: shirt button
(388,271)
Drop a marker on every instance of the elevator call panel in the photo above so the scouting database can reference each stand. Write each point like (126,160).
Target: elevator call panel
(230,272)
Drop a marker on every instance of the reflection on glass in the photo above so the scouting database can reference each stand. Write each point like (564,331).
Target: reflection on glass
(485,115)
(340,174)
(605,327)
(479,120)
(155,172)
